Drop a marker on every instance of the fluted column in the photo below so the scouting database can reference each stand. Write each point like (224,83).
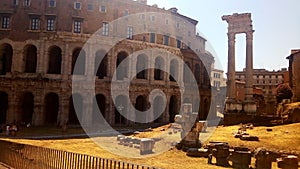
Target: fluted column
(249,66)
(231,86)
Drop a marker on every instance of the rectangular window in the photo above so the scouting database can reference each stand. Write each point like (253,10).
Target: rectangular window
(26,2)
(90,7)
(102,8)
(167,21)
(152,18)
(35,24)
(77,5)
(178,43)
(5,22)
(50,24)
(129,32)
(177,25)
(52,3)
(77,26)
(15,2)
(105,29)
(189,33)
(166,40)
(152,37)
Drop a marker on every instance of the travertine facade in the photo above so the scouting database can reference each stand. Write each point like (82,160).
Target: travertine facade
(42,40)
(294,72)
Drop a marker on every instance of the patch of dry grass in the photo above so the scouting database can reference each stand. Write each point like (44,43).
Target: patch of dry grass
(285,137)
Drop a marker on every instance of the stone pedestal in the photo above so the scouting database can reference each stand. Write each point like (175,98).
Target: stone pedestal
(221,153)
(241,159)
(289,162)
(146,146)
(263,159)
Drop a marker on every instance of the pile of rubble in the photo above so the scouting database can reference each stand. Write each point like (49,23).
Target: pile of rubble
(243,135)
(220,154)
(145,145)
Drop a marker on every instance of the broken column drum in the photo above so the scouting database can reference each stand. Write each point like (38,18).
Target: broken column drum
(221,153)
(263,159)
(241,158)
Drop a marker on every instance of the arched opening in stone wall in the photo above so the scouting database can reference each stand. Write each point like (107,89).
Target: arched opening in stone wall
(196,106)
(101,62)
(78,60)
(187,72)
(206,78)
(173,108)
(141,67)
(197,73)
(141,105)
(55,57)
(158,71)
(173,70)
(122,70)
(3,107)
(206,108)
(6,53)
(51,108)
(158,109)
(99,104)
(30,56)
(27,107)
(121,107)
(75,109)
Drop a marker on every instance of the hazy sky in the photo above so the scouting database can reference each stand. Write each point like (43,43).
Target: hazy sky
(276,24)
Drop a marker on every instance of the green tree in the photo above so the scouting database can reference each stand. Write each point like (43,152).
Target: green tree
(283,91)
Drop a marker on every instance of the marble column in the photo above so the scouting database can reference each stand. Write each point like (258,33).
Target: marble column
(231,86)
(249,66)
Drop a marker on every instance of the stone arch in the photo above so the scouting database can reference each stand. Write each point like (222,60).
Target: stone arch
(75,109)
(101,63)
(158,71)
(51,108)
(6,53)
(99,104)
(173,108)
(27,107)
(3,107)
(186,72)
(30,56)
(78,59)
(157,107)
(122,71)
(141,105)
(197,73)
(55,59)
(121,108)
(141,66)
(173,70)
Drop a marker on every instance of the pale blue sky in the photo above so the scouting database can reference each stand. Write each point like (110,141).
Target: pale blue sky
(276,24)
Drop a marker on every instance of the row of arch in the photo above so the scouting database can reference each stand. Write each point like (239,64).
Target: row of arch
(76,110)
(100,65)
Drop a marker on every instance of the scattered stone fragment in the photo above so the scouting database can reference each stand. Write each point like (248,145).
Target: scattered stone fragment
(249,138)
(195,152)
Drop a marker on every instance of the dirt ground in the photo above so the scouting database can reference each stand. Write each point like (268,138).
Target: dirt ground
(284,137)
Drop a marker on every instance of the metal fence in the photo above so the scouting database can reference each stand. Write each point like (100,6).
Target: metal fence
(22,156)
